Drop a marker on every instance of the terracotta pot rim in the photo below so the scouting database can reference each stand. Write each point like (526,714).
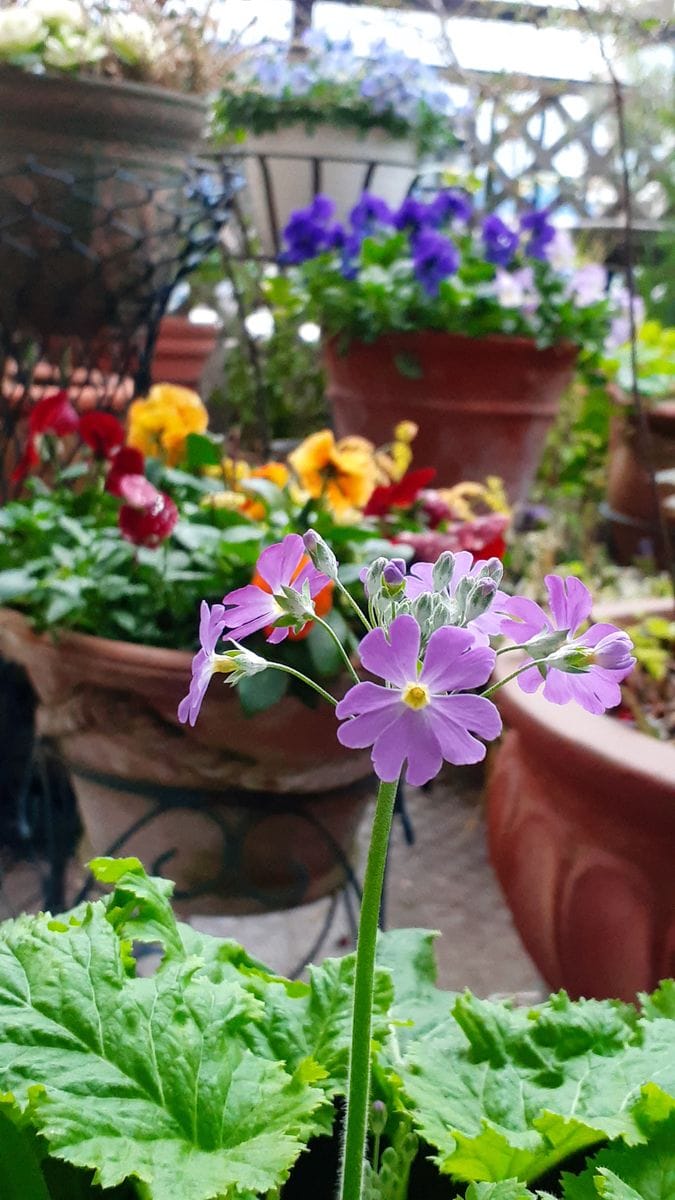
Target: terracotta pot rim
(597,737)
(95,84)
(129,653)
(500,339)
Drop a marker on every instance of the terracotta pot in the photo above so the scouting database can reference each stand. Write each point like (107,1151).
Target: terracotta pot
(256,812)
(181,351)
(581,821)
(286,168)
(483,405)
(632,504)
(91,177)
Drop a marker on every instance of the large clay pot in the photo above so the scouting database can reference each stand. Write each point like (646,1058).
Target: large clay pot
(581,819)
(244,813)
(632,499)
(483,405)
(182,350)
(91,186)
(286,168)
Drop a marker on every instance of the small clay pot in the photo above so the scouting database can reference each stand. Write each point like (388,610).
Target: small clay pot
(181,352)
(484,406)
(244,813)
(632,498)
(581,820)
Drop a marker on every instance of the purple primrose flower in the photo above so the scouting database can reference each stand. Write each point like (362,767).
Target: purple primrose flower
(542,232)
(435,257)
(255,606)
(205,661)
(499,240)
(586,668)
(424,716)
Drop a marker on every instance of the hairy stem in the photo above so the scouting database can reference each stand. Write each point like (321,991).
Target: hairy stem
(343,653)
(358,1086)
(275,666)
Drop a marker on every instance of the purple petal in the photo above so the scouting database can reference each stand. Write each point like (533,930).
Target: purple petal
(371,719)
(491,623)
(278,635)
(524,619)
(278,563)
(211,625)
(453,661)
(530,680)
(595,690)
(464,565)
(394,659)
(570,601)
(409,737)
(363,698)
(455,719)
(202,670)
(613,647)
(420,580)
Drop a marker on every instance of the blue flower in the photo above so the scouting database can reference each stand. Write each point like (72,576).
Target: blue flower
(308,234)
(500,242)
(370,211)
(541,231)
(451,205)
(434,259)
(414,215)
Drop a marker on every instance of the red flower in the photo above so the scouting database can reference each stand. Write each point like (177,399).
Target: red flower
(148,516)
(53,414)
(103,432)
(399,495)
(483,537)
(125,461)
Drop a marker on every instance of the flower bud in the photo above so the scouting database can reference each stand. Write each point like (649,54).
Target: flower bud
(443,570)
(371,577)
(321,554)
(238,663)
(378,1117)
(393,577)
(479,598)
(493,568)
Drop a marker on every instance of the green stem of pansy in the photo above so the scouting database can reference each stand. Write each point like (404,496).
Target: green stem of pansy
(303,679)
(350,599)
(343,653)
(535,662)
(358,1084)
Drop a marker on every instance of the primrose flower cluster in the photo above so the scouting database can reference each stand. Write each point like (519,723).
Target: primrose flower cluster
(329,81)
(438,264)
(429,635)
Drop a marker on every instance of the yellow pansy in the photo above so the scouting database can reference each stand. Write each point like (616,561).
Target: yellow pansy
(159,424)
(278,474)
(394,460)
(231,501)
(467,499)
(343,474)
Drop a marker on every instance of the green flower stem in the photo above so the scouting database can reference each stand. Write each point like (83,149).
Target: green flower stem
(303,679)
(359,612)
(507,649)
(343,653)
(358,1086)
(535,662)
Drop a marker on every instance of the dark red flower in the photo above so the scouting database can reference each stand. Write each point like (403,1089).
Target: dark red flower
(483,537)
(126,461)
(149,516)
(401,494)
(52,414)
(103,432)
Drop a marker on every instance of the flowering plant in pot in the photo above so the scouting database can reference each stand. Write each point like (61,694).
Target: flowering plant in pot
(320,111)
(473,322)
(437,1095)
(102,565)
(90,127)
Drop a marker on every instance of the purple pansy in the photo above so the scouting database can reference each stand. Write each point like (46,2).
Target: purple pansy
(255,606)
(370,211)
(414,215)
(211,626)
(604,652)
(451,205)
(588,284)
(499,240)
(308,234)
(541,230)
(423,717)
(434,259)
(421,580)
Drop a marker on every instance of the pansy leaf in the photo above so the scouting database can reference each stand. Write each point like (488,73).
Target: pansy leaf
(143,1078)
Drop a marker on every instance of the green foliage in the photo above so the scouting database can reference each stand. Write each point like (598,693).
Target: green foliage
(655,358)
(207,1079)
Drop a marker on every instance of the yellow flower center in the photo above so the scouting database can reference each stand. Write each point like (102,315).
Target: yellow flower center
(416,695)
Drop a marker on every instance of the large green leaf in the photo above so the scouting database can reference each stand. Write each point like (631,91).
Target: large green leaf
(644,1172)
(143,1078)
(527,1090)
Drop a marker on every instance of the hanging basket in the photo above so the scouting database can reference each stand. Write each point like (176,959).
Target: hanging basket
(287,168)
(95,211)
